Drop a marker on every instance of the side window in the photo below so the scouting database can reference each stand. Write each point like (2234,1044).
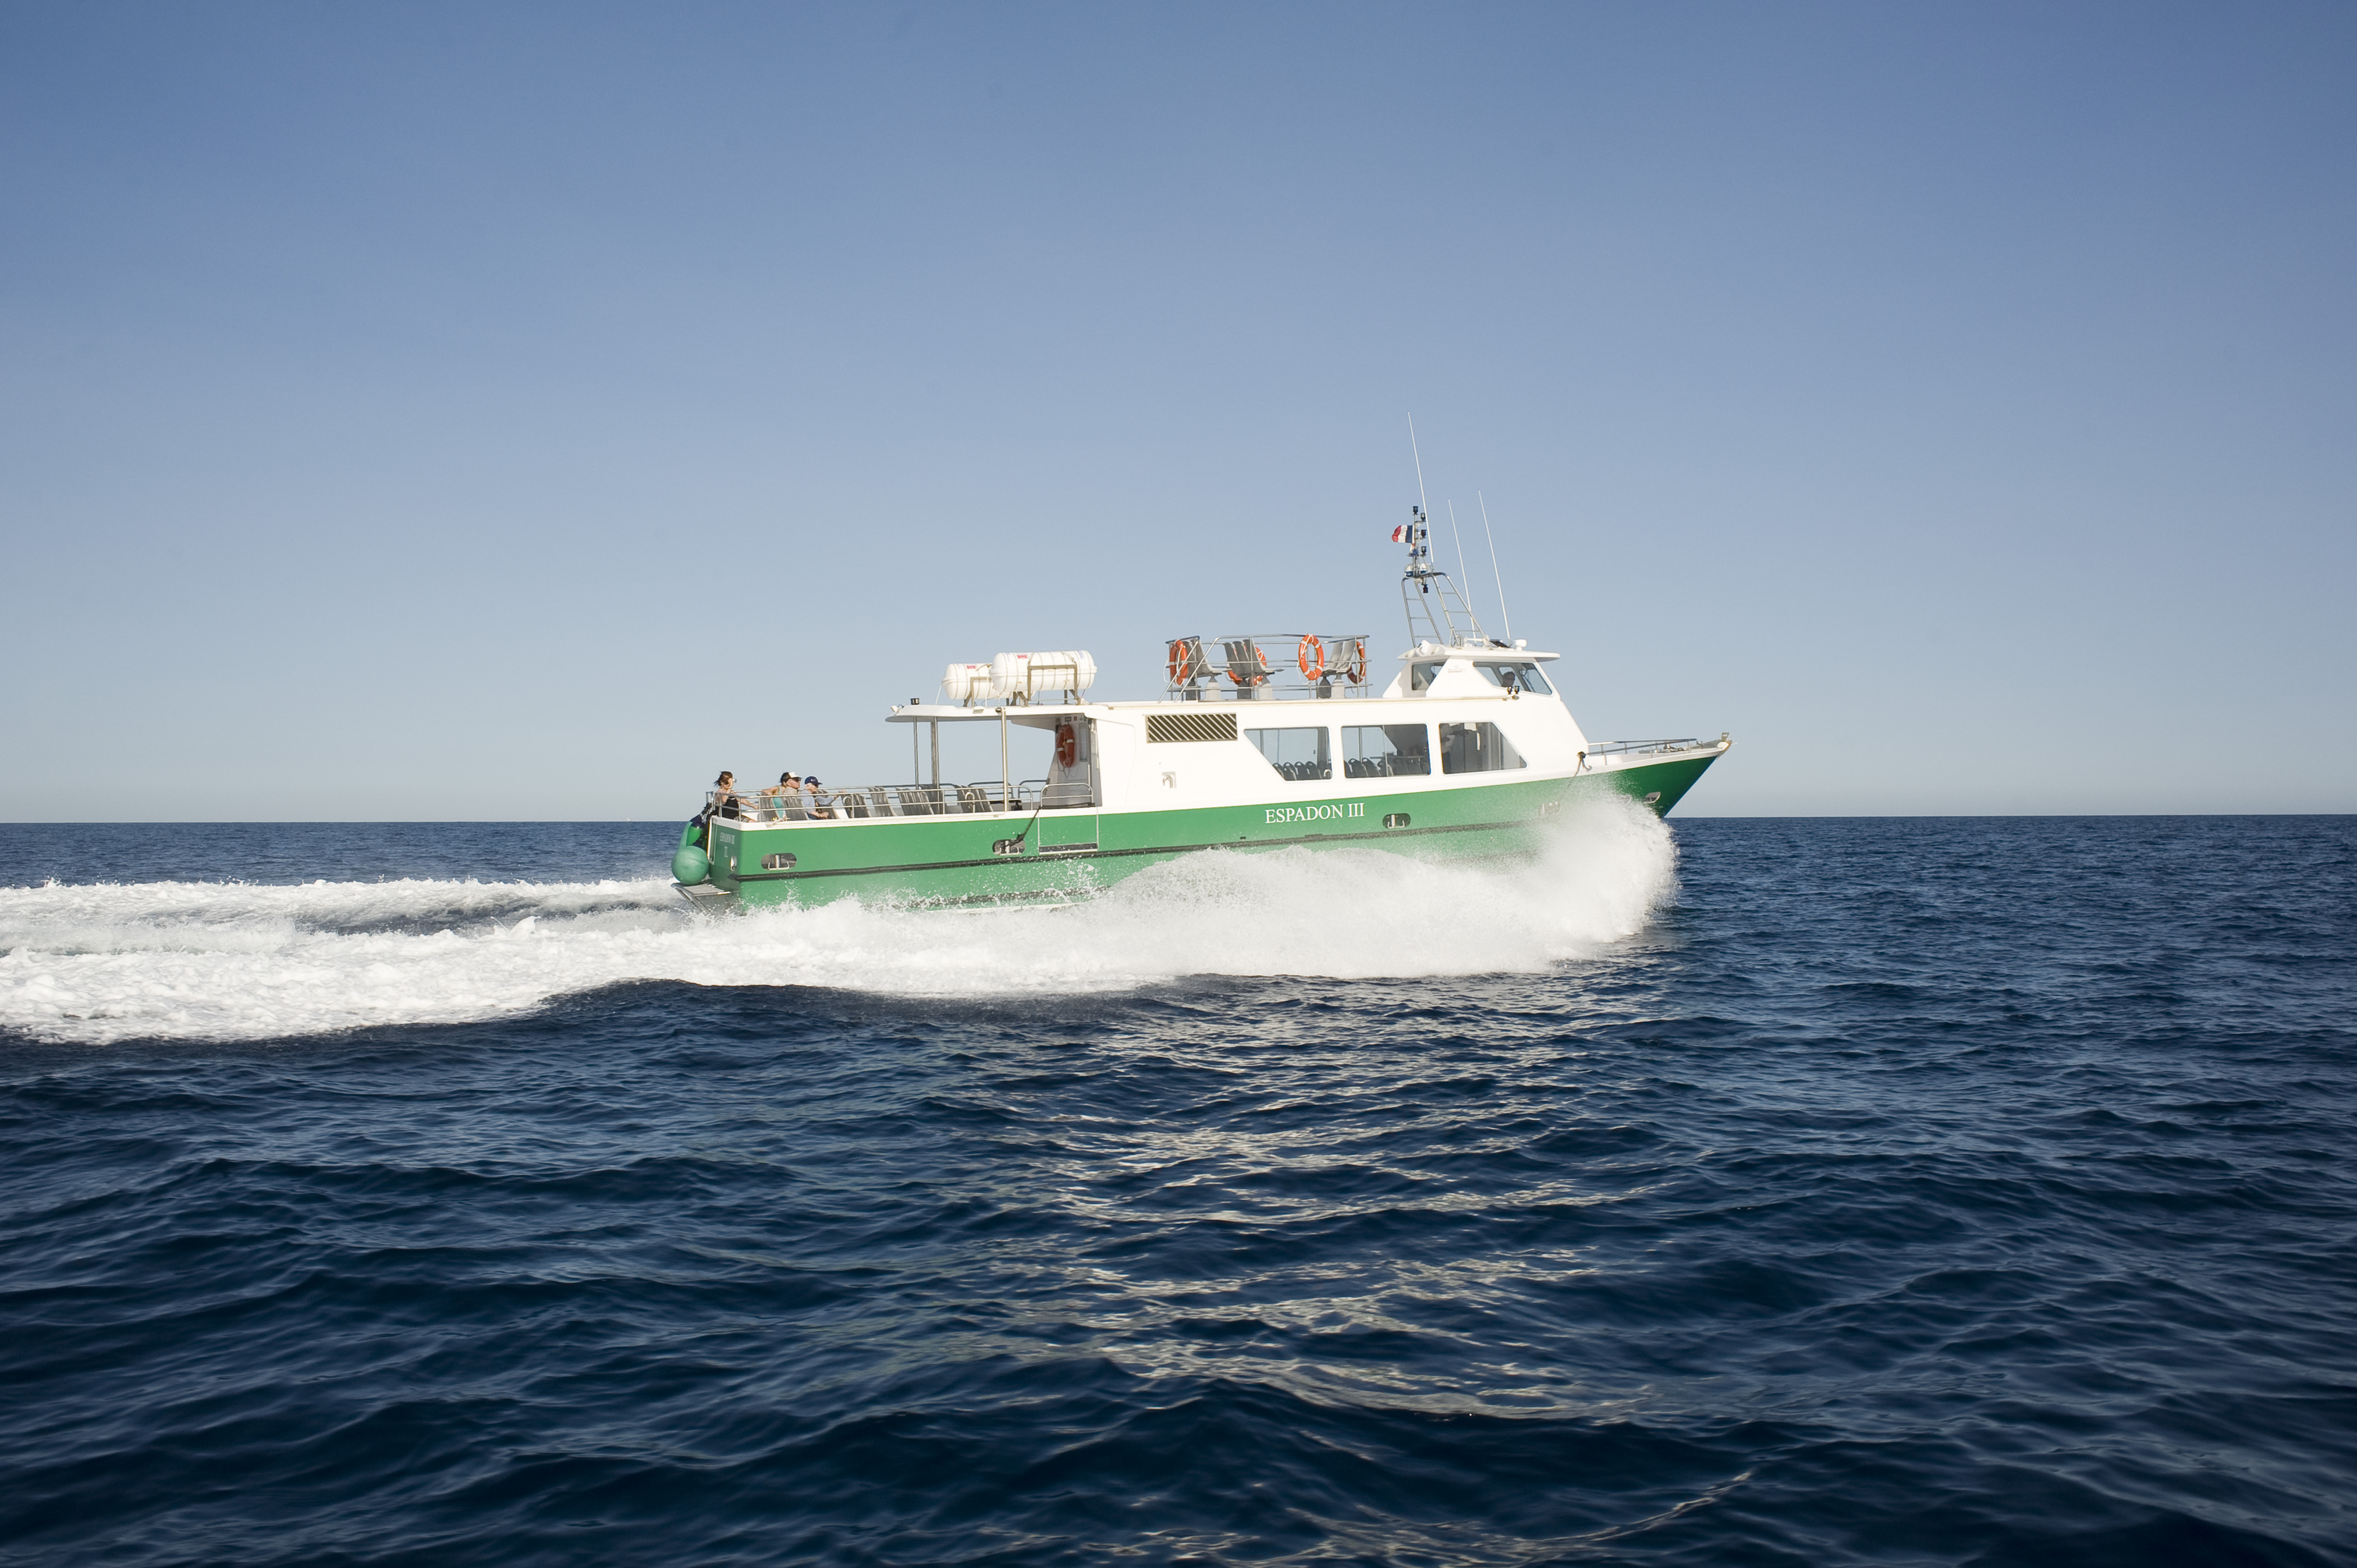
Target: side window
(1419,676)
(1477,748)
(1298,753)
(1386,751)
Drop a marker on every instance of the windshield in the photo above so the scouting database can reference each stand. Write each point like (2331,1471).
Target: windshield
(1516,678)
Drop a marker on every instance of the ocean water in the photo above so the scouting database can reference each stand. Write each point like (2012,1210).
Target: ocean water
(1727,1192)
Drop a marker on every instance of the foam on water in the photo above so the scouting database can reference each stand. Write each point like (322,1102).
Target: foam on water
(238,961)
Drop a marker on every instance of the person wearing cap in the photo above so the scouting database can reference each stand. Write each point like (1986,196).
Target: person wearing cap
(819,810)
(785,793)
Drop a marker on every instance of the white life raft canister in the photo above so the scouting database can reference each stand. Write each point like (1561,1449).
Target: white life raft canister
(1027,677)
(965,684)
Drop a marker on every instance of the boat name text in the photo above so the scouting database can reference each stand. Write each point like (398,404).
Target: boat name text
(1317,813)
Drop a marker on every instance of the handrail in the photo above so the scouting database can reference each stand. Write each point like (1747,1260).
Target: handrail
(1630,747)
(1273,692)
(866,802)
(1606,747)
(1262,664)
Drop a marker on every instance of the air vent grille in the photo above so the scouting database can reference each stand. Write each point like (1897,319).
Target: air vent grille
(1160,727)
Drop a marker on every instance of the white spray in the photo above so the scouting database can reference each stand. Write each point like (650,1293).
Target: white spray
(238,962)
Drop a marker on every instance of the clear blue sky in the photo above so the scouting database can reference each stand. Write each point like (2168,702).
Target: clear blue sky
(445,410)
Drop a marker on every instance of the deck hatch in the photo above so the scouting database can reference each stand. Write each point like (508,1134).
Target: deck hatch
(1161,728)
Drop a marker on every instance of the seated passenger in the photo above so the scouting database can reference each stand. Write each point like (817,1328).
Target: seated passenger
(724,797)
(787,791)
(819,809)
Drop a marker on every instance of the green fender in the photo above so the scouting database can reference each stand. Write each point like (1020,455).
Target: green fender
(689,864)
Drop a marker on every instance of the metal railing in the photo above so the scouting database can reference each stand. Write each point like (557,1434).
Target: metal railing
(1303,664)
(866,802)
(1647,747)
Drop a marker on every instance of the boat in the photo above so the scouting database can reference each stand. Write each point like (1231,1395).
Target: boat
(1257,743)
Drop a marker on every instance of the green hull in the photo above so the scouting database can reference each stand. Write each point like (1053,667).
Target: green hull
(1067,854)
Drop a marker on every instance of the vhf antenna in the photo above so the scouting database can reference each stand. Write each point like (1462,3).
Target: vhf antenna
(1504,614)
(1437,607)
(1423,503)
(1459,537)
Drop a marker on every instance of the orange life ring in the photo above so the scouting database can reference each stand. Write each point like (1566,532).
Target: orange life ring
(1180,663)
(1068,744)
(1311,656)
(1258,658)
(1355,670)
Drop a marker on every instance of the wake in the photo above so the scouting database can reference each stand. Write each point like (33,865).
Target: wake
(224,962)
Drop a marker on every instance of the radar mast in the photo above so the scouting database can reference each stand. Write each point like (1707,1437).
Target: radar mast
(1437,613)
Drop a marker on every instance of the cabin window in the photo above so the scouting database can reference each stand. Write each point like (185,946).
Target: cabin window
(1420,676)
(1386,751)
(1516,678)
(1296,754)
(1477,748)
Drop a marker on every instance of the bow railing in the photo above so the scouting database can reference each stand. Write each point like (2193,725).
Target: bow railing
(1619,748)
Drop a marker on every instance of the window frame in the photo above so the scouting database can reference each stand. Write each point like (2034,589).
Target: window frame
(1391,749)
(1525,672)
(1505,740)
(1324,760)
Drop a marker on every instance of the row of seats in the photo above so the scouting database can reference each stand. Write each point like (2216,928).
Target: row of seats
(920,800)
(1398,764)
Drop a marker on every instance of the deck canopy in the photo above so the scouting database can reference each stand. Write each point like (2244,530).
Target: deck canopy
(1038,715)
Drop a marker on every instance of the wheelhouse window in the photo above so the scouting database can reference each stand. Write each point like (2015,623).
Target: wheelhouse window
(1477,748)
(1420,676)
(1386,751)
(1516,678)
(1296,754)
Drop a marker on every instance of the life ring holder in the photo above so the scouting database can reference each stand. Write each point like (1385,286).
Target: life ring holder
(1311,656)
(1068,744)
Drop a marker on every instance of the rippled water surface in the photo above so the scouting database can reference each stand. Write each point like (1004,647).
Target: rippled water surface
(1886,1191)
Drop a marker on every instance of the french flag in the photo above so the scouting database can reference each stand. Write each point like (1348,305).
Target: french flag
(1399,534)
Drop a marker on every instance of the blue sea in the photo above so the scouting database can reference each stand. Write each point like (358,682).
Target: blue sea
(1724,1192)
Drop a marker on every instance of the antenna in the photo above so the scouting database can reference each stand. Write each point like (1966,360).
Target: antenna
(1502,613)
(1419,463)
(1436,611)
(1460,547)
